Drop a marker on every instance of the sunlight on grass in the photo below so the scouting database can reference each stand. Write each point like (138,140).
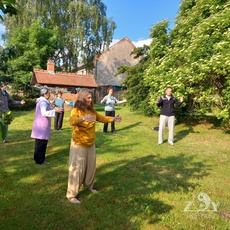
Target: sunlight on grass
(140,184)
(31,179)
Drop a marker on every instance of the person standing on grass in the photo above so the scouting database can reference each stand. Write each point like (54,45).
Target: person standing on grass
(5,99)
(82,157)
(41,130)
(167,116)
(59,103)
(110,101)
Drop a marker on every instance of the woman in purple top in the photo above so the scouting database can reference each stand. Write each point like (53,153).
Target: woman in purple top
(42,125)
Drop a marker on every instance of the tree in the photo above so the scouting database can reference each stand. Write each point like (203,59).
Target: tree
(5,55)
(8,7)
(34,45)
(205,68)
(141,80)
(193,58)
(134,81)
(84,31)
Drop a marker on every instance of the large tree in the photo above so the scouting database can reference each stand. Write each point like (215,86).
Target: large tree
(193,58)
(84,30)
(8,7)
(34,45)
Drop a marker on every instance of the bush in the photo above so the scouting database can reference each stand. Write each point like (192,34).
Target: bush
(29,105)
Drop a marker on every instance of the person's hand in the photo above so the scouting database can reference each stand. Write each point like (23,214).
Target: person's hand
(1,102)
(181,99)
(124,100)
(117,118)
(59,110)
(89,118)
(23,102)
(158,99)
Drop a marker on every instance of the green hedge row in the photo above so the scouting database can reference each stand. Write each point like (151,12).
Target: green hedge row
(29,105)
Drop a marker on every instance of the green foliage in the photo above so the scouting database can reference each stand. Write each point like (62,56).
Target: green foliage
(134,81)
(8,7)
(3,130)
(137,90)
(84,31)
(29,105)
(34,46)
(193,58)
(141,185)
(7,117)
(5,55)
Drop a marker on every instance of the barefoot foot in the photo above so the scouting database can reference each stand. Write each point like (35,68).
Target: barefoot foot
(92,190)
(74,200)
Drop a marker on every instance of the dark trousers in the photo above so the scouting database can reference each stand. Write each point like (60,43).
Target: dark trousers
(58,120)
(110,114)
(40,150)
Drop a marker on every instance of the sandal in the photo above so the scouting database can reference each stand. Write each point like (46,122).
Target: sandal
(74,200)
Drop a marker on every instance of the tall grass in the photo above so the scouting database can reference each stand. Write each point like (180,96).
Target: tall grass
(141,185)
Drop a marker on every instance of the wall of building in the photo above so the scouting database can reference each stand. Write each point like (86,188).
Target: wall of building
(108,63)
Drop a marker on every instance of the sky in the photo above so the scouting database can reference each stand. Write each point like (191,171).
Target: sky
(135,18)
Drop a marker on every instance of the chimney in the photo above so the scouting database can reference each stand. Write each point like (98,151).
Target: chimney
(50,66)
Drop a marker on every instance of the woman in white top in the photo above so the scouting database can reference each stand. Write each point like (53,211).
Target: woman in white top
(110,101)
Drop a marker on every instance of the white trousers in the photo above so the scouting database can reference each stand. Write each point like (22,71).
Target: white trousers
(166,120)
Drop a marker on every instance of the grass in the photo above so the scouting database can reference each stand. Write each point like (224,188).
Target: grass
(141,185)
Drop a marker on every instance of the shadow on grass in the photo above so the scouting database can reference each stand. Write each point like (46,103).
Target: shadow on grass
(211,120)
(227,131)
(131,126)
(183,133)
(129,190)
(126,127)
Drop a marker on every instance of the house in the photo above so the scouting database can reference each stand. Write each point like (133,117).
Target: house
(65,82)
(106,67)
(60,79)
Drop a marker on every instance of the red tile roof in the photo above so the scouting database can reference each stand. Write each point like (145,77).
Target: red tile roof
(62,79)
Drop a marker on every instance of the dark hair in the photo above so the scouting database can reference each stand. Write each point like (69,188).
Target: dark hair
(59,92)
(169,87)
(81,100)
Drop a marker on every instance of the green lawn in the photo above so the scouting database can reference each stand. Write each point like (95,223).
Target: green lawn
(140,184)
